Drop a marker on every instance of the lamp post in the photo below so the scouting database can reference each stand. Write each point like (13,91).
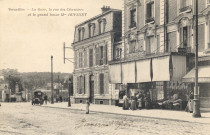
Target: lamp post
(9,88)
(69,86)
(52,98)
(196,105)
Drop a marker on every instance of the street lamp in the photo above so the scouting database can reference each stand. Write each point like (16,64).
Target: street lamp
(52,98)
(69,86)
(196,105)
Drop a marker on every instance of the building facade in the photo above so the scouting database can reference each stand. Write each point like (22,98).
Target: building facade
(158,46)
(93,46)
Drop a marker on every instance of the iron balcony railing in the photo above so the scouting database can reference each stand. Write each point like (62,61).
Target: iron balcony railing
(184,9)
(148,20)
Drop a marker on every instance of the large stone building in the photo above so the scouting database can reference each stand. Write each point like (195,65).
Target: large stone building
(158,45)
(93,45)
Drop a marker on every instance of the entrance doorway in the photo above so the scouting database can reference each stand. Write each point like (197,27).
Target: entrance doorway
(91,89)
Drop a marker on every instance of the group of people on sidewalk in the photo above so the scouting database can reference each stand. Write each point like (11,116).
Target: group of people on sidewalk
(138,101)
(142,100)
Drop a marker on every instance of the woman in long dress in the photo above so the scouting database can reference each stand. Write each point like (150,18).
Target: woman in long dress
(125,103)
(133,103)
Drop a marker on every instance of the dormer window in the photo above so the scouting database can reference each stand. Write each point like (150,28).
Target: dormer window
(100,27)
(81,33)
(150,12)
(133,18)
(91,28)
(102,24)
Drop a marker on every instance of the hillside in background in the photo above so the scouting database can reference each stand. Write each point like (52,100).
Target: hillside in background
(34,80)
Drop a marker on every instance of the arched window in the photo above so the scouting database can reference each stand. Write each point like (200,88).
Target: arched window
(101,25)
(81,32)
(91,28)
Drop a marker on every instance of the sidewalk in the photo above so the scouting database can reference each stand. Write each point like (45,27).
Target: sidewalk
(151,113)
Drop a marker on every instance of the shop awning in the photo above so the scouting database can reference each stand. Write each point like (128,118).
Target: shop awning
(115,73)
(143,69)
(128,72)
(178,67)
(203,75)
(160,67)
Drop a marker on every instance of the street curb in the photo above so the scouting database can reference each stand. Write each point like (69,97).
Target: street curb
(127,115)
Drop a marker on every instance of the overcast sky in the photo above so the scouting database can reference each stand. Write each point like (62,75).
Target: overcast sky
(27,42)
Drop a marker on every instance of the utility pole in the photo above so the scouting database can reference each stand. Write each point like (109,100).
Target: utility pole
(70,60)
(58,84)
(52,96)
(196,107)
(69,87)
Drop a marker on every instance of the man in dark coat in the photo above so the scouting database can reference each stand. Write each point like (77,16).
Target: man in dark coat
(45,99)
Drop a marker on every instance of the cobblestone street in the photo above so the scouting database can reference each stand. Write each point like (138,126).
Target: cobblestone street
(23,118)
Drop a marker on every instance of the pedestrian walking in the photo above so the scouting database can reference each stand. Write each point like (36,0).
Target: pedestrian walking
(87,107)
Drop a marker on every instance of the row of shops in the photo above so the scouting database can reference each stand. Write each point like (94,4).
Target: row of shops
(161,77)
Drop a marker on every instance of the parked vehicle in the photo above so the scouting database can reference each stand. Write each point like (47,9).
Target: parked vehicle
(38,97)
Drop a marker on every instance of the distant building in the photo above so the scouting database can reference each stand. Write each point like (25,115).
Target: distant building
(4,92)
(8,71)
(94,43)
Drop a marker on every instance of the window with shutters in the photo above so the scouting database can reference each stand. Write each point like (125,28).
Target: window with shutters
(201,37)
(133,18)
(185,37)
(101,55)
(78,85)
(185,33)
(90,57)
(132,46)
(81,85)
(150,12)
(118,52)
(80,60)
(101,83)
(150,45)
(85,58)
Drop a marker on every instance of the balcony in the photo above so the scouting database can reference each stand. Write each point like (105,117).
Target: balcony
(185,9)
(185,50)
(133,24)
(150,20)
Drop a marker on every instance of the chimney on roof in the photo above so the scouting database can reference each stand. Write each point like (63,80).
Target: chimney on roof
(105,8)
